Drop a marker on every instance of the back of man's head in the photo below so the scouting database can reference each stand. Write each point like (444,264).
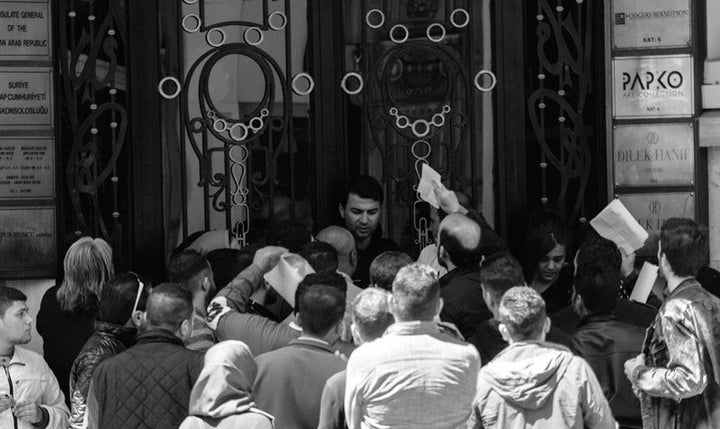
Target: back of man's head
(598,250)
(685,245)
(226,264)
(385,267)
(120,296)
(499,275)
(598,286)
(344,243)
(327,278)
(522,312)
(321,256)
(291,234)
(460,239)
(415,294)
(371,313)
(365,187)
(320,308)
(168,306)
(188,268)
(8,296)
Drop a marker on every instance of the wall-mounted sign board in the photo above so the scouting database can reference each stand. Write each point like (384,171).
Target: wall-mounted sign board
(26,168)
(26,97)
(27,241)
(25,30)
(653,87)
(654,155)
(648,24)
(652,210)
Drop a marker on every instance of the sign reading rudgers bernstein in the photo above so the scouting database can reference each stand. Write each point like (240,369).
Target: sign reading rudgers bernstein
(26,168)
(24,30)
(644,24)
(26,97)
(27,241)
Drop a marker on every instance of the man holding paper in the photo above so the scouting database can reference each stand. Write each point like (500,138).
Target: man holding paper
(677,378)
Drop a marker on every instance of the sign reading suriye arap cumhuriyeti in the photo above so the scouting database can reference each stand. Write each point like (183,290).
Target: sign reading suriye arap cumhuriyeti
(653,86)
(645,24)
(26,97)
(24,30)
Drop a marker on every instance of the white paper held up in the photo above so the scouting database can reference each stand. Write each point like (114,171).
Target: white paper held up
(425,187)
(645,282)
(616,223)
(287,275)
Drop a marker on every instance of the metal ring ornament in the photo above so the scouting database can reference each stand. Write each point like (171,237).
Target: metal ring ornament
(417,144)
(211,114)
(190,1)
(393,111)
(188,29)
(223,37)
(311,84)
(493,81)
(382,18)
(164,94)
(247,39)
(222,127)
(343,83)
(457,24)
(282,16)
(402,39)
(264,113)
(242,136)
(256,128)
(446,108)
(435,39)
(438,120)
(423,122)
(402,122)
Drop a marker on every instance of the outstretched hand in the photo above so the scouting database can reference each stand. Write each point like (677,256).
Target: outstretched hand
(267,257)
(447,199)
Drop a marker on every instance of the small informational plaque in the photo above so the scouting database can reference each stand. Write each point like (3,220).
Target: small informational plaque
(658,86)
(25,30)
(652,210)
(654,155)
(26,168)
(26,97)
(27,241)
(647,24)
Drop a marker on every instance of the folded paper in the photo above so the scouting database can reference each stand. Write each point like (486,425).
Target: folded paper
(426,186)
(645,282)
(287,275)
(616,223)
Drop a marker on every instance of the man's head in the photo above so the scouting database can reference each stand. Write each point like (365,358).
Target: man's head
(344,243)
(497,277)
(597,288)
(385,267)
(190,269)
(169,307)
(371,315)
(227,263)
(598,250)
(123,300)
(683,247)
(415,294)
(327,278)
(459,242)
(522,315)
(360,207)
(15,320)
(321,256)
(291,234)
(320,308)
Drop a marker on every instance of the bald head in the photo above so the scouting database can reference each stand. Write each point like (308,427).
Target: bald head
(459,241)
(344,243)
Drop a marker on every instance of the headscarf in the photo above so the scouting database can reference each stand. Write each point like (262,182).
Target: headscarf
(225,382)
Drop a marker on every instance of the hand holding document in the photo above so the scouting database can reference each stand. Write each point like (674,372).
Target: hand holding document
(287,275)
(644,283)
(615,223)
(426,188)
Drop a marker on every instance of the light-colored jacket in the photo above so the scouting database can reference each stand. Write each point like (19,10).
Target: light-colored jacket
(539,385)
(32,381)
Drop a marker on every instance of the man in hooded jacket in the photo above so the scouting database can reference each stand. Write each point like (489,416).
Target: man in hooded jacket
(534,384)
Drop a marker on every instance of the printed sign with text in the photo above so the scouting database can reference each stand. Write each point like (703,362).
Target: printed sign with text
(644,24)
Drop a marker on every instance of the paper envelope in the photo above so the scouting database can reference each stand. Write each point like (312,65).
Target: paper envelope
(287,275)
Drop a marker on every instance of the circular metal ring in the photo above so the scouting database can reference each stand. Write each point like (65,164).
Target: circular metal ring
(264,113)
(446,108)
(211,114)
(311,83)
(223,37)
(274,26)
(402,122)
(382,18)
(438,120)
(197,125)
(247,39)
(402,39)
(242,136)
(190,1)
(197,21)
(256,128)
(222,127)
(493,81)
(343,83)
(435,39)
(457,24)
(425,145)
(424,123)
(393,111)
(164,94)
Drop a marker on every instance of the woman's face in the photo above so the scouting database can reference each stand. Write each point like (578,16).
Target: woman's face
(549,266)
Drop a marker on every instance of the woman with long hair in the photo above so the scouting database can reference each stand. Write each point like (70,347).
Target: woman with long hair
(66,318)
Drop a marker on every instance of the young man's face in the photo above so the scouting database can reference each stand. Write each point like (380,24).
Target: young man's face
(361,216)
(15,324)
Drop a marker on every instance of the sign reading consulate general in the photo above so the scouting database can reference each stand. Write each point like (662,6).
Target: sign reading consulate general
(651,24)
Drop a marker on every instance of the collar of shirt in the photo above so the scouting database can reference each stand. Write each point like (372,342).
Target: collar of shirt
(294,326)
(416,327)
(317,340)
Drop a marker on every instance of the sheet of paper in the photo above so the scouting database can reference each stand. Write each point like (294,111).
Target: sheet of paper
(287,275)
(616,223)
(644,283)
(425,187)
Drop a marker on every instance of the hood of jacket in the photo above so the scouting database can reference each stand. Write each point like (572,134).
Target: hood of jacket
(527,373)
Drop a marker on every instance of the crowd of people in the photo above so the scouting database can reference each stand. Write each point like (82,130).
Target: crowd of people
(467,335)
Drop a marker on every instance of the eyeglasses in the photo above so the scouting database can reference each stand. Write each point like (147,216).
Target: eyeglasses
(141,286)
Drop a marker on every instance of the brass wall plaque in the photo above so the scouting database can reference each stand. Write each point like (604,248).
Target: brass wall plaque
(651,210)
(26,167)
(27,241)
(654,154)
(644,24)
(658,86)
(24,30)
(26,97)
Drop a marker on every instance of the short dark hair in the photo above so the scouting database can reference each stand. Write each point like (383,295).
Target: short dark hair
(118,298)
(185,267)
(321,256)
(226,264)
(371,312)
(327,278)
(291,234)
(168,305)
(416,292)
(522,311)
(321,307)
(598,286)
(459,254)
(385,267)
(8,296)
(501,274)
(364,187)
(685,245)
(596,250)
(546,229)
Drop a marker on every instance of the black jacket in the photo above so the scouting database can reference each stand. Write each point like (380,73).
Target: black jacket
(463,303)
